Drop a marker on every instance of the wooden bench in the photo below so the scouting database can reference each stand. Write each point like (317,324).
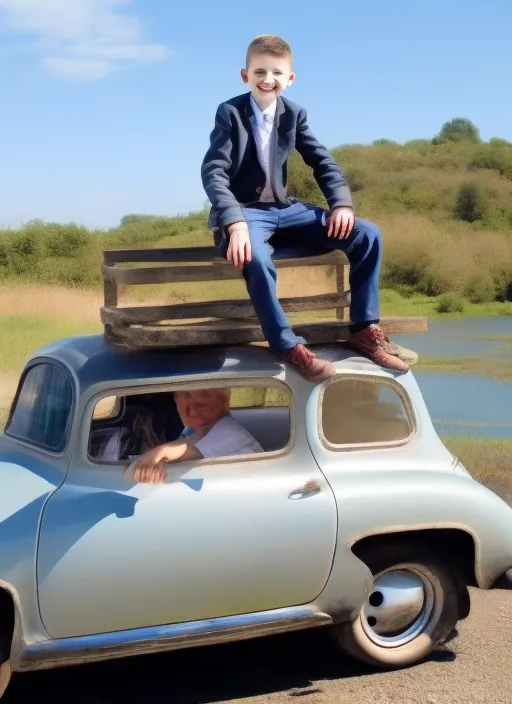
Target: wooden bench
(225,321)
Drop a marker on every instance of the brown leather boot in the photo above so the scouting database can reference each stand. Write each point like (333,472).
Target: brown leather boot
(410,357)
(371,343)
(308,364)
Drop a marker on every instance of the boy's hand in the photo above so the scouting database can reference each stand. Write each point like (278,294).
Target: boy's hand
(239,250)
(341,222)
(149,468)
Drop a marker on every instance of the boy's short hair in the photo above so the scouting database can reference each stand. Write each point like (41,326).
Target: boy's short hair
(268,44)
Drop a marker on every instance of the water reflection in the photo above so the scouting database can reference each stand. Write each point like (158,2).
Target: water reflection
(467,404)
(460,337)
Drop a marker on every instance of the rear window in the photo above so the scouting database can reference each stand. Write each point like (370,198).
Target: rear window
(42,410)
(365,411)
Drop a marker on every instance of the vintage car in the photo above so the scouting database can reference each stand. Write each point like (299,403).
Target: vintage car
(355,517)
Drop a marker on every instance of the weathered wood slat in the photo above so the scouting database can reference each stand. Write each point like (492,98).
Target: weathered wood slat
(217,271)
(185,255)
(167,254)
(216,309)
(110,292)
(171,274)
(342,284)
(222,333)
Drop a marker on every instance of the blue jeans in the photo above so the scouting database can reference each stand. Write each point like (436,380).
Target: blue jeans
(304,225)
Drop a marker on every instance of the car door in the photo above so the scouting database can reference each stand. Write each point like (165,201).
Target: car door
(216,539)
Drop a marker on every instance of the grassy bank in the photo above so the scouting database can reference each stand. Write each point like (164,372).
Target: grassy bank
(489,460)
(394,303)
(499,368)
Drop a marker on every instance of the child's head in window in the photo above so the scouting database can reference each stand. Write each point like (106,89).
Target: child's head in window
(202,407)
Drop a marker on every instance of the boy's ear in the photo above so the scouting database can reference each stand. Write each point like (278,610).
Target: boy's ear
(291,79)
(245,75)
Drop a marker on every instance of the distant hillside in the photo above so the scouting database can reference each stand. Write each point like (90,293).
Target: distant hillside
(444,206)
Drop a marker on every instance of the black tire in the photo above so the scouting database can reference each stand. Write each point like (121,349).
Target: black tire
(440,584)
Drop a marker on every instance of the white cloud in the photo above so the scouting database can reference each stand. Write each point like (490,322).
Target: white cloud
(81,69)
(88,38)
(123,52)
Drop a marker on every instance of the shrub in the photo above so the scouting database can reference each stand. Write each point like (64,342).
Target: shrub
(356,178)
(481,288)
(136,219)
(65,240)
(449,303)
(385,142)
(496,155)
(470,203)
(457,130)
(424,146)
(411,197)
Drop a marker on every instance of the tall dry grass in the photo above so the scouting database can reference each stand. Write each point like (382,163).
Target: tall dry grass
(489,461)
(432,258)
(69,303)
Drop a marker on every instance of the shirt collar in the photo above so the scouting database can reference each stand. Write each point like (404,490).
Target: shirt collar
(258,113)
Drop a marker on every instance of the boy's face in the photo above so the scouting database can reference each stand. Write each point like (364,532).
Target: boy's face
(199,408)
(267,77)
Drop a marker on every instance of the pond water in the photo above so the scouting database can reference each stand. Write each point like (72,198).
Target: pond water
(465,404)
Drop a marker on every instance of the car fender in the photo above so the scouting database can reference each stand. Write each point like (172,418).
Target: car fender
(25,486)
(399,501)
(388,503)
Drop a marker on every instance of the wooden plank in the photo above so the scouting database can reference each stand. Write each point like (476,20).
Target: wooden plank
(167,254)
(231,333)
(185,255)
(110,292)
(216,309)
(171,274)
(217,271)
(342,284)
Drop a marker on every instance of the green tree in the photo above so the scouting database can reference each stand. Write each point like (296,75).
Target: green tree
(383,142)
(470,203)
(457,130)
(136,218)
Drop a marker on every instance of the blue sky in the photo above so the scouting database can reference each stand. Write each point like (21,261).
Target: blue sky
(107,105)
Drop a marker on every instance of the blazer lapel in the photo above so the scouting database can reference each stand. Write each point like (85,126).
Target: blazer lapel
(247,113)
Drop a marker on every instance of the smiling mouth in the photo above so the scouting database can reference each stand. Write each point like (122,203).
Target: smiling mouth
(266,90)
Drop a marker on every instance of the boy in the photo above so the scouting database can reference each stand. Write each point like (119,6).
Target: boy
(244,176)
(210,431)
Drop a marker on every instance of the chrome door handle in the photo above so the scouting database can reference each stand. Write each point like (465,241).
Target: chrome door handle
(310,488)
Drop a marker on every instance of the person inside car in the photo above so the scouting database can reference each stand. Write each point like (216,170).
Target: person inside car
(210,431)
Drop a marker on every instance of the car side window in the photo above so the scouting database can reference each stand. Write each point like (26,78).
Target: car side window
(360,411)
(124,427)
(42,411)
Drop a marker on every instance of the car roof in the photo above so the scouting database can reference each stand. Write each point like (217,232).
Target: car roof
(93,360)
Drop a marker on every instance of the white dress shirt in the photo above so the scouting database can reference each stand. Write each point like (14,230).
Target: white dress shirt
(262,130)
(226,437)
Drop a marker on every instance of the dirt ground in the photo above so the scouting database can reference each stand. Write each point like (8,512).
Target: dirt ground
(474,668)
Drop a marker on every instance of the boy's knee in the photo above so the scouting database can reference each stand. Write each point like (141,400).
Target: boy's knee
(261,256)
(370,231)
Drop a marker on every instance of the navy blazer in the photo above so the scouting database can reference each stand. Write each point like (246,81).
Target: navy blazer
(231,172)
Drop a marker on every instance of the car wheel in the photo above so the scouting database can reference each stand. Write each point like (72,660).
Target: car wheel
(412,608)
(5,676)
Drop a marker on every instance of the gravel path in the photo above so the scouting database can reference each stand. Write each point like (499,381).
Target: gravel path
(474,668)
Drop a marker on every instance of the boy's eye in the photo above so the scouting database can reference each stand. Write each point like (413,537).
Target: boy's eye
(278,73)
